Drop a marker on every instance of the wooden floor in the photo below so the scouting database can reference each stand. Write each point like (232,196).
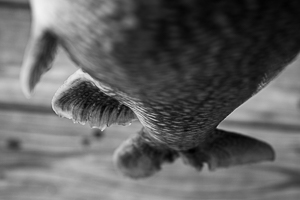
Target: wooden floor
(44,157)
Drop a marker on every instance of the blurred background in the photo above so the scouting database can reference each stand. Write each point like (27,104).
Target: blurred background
(45,157)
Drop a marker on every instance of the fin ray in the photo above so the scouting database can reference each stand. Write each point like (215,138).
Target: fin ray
(81,100)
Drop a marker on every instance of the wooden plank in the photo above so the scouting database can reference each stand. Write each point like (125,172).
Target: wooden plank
(76,172)
(16,4)
(73,171)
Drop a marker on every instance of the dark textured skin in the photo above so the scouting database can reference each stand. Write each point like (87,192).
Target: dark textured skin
(183,65)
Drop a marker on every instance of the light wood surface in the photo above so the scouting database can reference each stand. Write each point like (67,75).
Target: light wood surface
(44,157)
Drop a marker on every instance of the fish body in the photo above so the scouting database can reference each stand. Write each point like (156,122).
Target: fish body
(181,66)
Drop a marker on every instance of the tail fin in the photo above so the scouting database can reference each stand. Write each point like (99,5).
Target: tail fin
(39,55)
(138,158)
(228,149)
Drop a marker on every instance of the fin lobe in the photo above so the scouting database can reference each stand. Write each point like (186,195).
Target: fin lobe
(82,101)
(137,158)
(228,149)
(40,53)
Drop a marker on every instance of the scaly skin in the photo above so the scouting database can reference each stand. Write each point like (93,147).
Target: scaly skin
(182,66)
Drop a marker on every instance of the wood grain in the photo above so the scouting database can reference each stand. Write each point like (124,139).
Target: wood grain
(45,157)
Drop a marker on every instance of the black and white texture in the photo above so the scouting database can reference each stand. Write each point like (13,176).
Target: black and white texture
(180,67)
